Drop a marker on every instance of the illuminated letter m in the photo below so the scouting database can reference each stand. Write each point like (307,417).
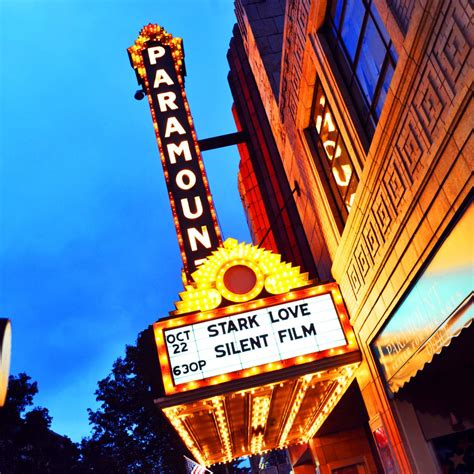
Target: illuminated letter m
(178,150)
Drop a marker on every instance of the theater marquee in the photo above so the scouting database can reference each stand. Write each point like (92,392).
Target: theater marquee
(280,334)
(269,327)
(254,357)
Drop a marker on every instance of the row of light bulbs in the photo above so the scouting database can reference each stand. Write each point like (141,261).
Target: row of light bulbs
(222,425)
(236,309)
(277,277)
(343,384)
(304,382)
(173,415)
(260,410)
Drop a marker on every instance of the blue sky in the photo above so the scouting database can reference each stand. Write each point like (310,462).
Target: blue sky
(88,252)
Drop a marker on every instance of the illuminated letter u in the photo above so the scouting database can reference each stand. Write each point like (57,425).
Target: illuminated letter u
(187,212)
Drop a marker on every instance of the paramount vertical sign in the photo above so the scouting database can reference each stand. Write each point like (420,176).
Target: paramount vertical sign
(157,58)
(247,324)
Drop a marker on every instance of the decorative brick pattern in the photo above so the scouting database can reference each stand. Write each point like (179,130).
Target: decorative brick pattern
(454,42)
(363,260)
(294,42)
(396,186)
(372,238)
(410,144)
(381,209)
(430,101)
(402,10)
(354,277)
(441,75)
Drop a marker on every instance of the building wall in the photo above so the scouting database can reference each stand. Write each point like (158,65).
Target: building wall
(252,199)
(346,448)
(261,165)
(415,174)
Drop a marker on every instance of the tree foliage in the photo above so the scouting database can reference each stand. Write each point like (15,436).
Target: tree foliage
(27,445)
(129,433)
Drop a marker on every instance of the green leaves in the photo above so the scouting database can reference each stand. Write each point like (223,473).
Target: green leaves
(27,445)
(129,434)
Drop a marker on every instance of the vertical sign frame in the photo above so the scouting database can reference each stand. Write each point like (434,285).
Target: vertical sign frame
(158,58)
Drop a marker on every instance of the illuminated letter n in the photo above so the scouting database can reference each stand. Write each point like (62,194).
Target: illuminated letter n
(203,237)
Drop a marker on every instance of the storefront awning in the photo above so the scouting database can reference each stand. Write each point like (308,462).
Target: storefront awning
(434,311)
(441,338)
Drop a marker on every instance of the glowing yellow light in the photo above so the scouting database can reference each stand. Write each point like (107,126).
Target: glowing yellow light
(260,410)
(332,398)
(208,287)
(222,425)
(256,443)
(303,387)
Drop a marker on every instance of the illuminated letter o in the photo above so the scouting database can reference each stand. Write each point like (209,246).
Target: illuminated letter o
(183,176)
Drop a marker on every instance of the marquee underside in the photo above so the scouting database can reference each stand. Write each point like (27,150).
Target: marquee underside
(262,413)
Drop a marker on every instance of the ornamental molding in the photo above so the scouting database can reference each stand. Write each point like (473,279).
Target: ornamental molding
(212,282)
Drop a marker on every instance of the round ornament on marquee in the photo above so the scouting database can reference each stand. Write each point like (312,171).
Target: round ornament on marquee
(238,272)
(241,281)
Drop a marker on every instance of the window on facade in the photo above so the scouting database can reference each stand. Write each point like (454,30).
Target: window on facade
(365,55)
(331,157)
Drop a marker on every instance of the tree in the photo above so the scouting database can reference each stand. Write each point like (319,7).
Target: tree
(129,433)
(27,444)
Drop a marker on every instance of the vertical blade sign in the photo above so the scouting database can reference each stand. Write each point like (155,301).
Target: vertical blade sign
(157,58)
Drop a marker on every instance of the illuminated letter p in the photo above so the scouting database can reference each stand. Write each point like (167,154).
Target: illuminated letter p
(155,53)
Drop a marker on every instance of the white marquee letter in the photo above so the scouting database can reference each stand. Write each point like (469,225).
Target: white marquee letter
(155,53)
(187,212)
(166,101)
(189,175)
(161,77)
(173,126)
(178,150)
(342,174)
(203,237)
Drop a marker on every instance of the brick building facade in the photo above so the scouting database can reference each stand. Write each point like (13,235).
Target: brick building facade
(367,105)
